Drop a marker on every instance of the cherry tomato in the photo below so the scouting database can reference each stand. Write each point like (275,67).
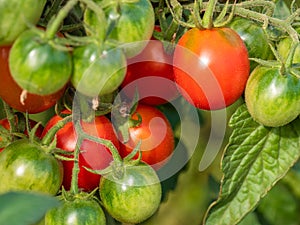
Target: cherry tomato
(94,156)
(156,136)
(151,74)
(10,92)
(211,67)
(26,166)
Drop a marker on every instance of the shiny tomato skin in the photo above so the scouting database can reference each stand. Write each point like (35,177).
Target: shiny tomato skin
(156,135)
(10,92)
(211,67)
(93,155)
(155,65)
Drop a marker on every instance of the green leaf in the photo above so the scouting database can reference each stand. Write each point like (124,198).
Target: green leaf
(24,208)
(255,158)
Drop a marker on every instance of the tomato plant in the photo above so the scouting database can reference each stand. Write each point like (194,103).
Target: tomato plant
(37,65)
(151,74)
(272,98)
(208,84)
(156,136)
(18,15)
(93,155)
(80,210)
(134,196)
(10,92)
(26,166)
(6,139)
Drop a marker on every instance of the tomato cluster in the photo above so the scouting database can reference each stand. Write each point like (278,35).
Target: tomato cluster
(107,133)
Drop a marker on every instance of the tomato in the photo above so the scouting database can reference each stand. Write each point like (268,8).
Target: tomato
(37,65)
(97,71)
(18,14)
(272,98)
(10,92)
(284,47)
(5,124)
(78,211)
(132,198)
(156,136)
(93,155)
(211,67)
(251,32)
(26,166)
(151,74)
(134,25)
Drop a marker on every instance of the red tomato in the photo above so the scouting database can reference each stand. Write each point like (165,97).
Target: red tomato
(10,92)
(4,122)
(94,156)
(211,67)
(156,135)
(151,72)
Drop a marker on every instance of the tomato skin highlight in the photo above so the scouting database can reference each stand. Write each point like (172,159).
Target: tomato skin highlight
(94,156)
(211,67)
(10,91)
(76,212)
(272,99)
(156,135)
(134,197)
(25,166)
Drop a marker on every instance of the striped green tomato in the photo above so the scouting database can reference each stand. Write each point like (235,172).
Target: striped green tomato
(76,212)
(16,16)
(272,98)
(134,197)
(26,166)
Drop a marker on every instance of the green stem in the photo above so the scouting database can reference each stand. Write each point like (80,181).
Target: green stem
(208,15)
(55,24)
(48,138)
(10,118)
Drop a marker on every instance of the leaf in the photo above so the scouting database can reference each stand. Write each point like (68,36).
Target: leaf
(255,158)
(24,208)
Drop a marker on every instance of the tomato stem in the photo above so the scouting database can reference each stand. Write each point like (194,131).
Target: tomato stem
(10,117)
(55,24)
(208,15)
(47,139)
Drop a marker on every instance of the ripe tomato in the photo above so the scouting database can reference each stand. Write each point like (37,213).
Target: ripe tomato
(134,197)
(94,156)
(151,74)
(272,98)
(4,123)
(156,135)
(26,166)
(10,92)
(211,67)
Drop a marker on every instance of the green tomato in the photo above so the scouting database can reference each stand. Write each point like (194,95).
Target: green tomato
(284,47)
(79,211)
(97,71)
(254,38)
(134,197)
(134,26)
(272,98)
(37,65)
(16,16)
(26,166)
